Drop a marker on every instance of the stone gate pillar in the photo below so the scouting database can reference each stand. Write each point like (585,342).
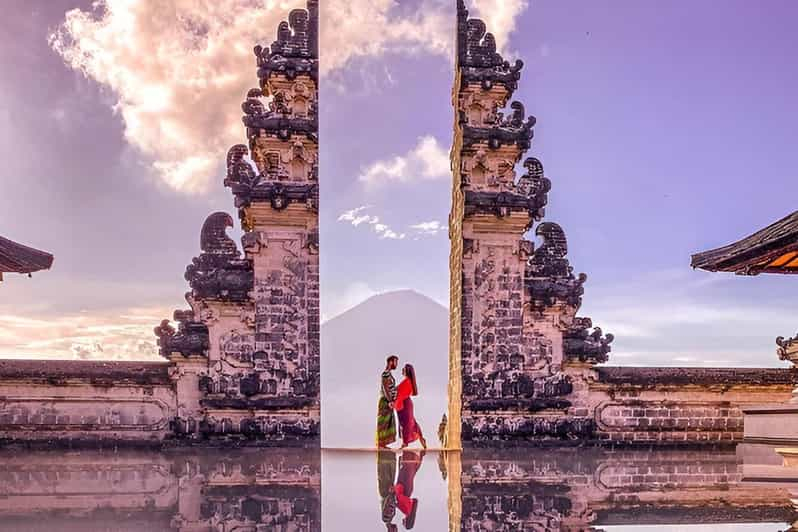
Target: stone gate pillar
(513,306)
(254,319)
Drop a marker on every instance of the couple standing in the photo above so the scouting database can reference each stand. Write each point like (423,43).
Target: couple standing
(397,398)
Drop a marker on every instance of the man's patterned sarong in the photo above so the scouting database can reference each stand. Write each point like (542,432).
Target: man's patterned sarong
(386,423)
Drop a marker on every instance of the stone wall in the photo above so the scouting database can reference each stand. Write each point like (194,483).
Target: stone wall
(680,405)
(82,402)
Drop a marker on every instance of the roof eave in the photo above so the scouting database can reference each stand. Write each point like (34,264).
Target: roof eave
(751,255)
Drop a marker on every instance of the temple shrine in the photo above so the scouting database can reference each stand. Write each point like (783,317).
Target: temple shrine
(773,249)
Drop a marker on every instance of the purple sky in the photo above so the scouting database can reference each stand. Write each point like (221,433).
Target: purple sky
(666,129)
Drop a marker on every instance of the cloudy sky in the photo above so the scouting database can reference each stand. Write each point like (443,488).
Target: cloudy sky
(666,128)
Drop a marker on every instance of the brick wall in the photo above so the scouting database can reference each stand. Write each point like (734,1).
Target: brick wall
(680,405)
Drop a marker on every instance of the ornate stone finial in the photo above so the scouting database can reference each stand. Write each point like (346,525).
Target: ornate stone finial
(239,172)
(535,187)
(296,49)
(515,129)
(214,239)
(788,349)
(585,346)
(219,272)
(477,56)
(555,245)
(549,275)
(252,105)
(191,337)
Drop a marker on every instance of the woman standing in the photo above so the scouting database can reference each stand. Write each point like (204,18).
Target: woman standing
(409,429)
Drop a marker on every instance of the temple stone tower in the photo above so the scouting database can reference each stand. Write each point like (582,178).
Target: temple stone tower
(517,351)
(246,355)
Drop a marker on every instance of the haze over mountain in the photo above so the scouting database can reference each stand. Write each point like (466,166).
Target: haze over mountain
(354,347)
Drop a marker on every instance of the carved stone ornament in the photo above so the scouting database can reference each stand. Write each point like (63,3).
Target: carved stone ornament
(191,337)
(549,276)
(584,345)
(219,272)
(296,49)
(477,56)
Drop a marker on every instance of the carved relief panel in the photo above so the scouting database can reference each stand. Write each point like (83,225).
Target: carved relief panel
(278,160)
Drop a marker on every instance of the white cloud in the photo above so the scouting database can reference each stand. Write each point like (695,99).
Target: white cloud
(390,234)
(427,228)
(179,69)
(425,161)
(125,335)
(354,217)
(500,17)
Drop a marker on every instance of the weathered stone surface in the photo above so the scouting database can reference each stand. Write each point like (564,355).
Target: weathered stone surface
(513,304)
(678,405)
(85,402)
(521,361)
(96,372)
(252,335)
(660,378)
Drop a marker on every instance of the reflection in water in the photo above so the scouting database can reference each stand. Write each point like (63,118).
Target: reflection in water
(196,490)
(397,491)
(255,490)
(386,473)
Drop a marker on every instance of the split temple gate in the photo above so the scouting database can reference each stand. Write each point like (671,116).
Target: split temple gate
(243,363)
(522,364)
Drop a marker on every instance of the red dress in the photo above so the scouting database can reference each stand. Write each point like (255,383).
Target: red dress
(408,428)
(410,462)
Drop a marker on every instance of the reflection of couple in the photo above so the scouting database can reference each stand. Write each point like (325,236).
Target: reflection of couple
(397,398)
(399,494)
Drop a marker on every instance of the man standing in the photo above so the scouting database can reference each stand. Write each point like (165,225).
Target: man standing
(386,421)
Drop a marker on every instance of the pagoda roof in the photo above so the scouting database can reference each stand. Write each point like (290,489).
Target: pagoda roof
(773,249)
(16,258)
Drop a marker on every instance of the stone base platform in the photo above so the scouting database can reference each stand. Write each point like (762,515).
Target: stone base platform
(774,424)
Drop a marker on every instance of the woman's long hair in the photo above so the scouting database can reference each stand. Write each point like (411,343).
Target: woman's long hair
(410,373)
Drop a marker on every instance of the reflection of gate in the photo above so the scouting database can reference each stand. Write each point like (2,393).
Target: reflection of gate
(576,489)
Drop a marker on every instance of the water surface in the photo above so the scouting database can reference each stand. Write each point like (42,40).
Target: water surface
(291,490)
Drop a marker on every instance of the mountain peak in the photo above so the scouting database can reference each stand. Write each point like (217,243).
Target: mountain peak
(405,298)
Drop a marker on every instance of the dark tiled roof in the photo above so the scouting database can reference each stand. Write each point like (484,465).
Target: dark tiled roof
(16,258)
(749,254)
